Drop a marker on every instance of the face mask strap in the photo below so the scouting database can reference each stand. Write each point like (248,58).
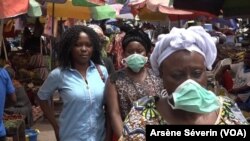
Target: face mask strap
(164,93)
(169,103)
(146,59)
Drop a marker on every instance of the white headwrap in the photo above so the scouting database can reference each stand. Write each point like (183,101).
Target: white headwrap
(195,38)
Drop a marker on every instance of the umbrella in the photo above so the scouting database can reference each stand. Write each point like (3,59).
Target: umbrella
(34,9)
(145,12)
(229,8)
(125,16)
(147,15)
(103,12)
(165,7)
(85,10)
(97,2)
(57,1)
(12,8)
(88,3)
(210,6)
(85,3)
(117,8)
(68,10)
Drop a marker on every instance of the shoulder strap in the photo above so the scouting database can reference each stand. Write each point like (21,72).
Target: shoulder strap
(100,72)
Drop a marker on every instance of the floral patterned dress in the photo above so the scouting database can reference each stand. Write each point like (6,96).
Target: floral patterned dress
(144,113)
(129,91)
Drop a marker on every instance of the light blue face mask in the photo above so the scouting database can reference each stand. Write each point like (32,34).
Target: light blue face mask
(192,97)
(136,62)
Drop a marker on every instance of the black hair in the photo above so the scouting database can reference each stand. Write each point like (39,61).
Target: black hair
(32,44)
(139,36)
(68,41)
(125,28)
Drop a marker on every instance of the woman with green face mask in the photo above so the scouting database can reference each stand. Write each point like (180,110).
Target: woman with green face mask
(133,82)
(180,58)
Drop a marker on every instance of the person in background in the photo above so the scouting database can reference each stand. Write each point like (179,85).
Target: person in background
(37,63)
(187,101)
(7,89)
(80,80)
(26,39)
(131,83)
(241,84)
(105,59)
(23,105)
(116,45)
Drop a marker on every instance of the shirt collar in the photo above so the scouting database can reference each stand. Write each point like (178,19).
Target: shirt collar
(91,66)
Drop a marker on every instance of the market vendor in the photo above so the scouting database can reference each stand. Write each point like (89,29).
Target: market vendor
(7,89)
(23,105)
(241,86)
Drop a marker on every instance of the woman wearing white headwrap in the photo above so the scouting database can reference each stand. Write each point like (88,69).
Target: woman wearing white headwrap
(181,58)
(194,38)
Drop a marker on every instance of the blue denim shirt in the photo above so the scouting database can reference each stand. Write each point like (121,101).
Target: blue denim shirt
(6,87)
(82,117)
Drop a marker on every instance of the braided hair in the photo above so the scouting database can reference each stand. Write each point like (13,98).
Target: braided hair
(68,41)
(139,36)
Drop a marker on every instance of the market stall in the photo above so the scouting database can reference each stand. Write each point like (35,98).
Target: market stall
(15,127)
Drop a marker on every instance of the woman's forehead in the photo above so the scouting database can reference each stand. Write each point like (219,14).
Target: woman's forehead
(184,58)
(134,45)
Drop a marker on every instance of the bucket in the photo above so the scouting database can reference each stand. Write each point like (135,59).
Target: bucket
(31,134)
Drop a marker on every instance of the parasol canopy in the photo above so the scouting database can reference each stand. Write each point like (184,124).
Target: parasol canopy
(103,12)
(165,7)
(228,8)
(88,3)
(13,8)
(34,9)
(85,10)
(68,10)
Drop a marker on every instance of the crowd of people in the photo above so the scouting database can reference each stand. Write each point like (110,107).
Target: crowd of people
(161,84)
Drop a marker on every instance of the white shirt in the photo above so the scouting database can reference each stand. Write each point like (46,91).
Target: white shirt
(241,79)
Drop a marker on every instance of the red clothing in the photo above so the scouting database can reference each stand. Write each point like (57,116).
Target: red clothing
(227,80)
(117,50)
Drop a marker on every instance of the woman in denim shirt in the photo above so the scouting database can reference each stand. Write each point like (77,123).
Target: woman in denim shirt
(80,80)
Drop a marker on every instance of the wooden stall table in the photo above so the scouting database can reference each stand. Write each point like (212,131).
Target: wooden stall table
(15,127)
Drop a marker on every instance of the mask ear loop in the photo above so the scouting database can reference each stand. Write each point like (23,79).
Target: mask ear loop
(164,93)
(123,61)
(146,59)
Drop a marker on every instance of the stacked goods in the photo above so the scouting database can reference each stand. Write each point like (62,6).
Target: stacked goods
(13,117)
(238,57)
(21,64)
(236,54)
(26,74)
(12,121)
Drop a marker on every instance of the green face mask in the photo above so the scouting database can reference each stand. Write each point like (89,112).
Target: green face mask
(192,97)
(135,62)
